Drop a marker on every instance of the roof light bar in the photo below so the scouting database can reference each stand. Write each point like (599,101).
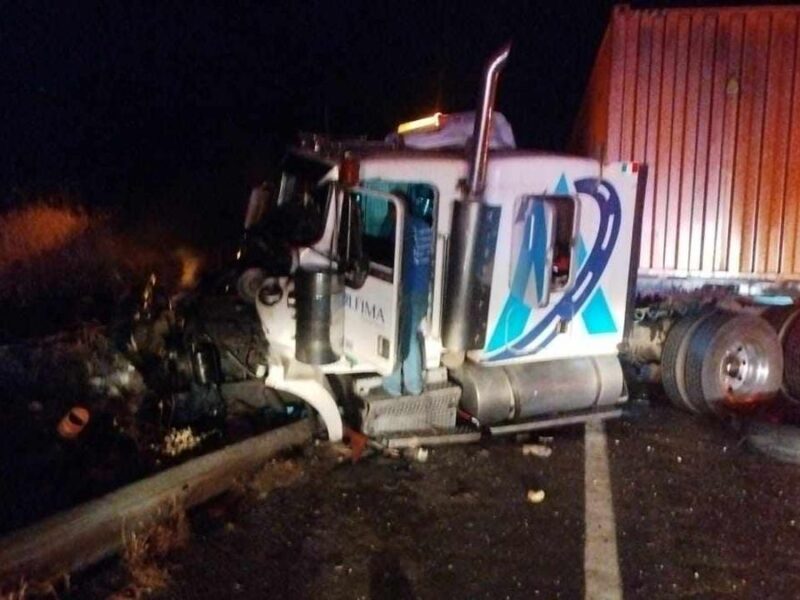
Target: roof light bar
(431,123)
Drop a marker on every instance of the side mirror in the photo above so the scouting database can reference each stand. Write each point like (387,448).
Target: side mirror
(356,275)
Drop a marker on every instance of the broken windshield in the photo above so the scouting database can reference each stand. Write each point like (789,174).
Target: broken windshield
(303,198)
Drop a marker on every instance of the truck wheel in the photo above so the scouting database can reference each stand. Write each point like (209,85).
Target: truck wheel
(734,360)
(673,361)
(786,322)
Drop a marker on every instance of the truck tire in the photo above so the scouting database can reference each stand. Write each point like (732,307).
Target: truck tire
(786,322)
(673,362)
(248,284)
(791,360)
(780,317)
(734,360)
(776,440)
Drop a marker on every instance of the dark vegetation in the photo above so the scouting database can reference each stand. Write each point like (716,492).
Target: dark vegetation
(71,282)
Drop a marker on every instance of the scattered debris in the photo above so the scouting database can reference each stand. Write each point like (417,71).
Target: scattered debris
(73,423)
(358,443)
(178,441)
(535,496)
(539,450)
(418,454)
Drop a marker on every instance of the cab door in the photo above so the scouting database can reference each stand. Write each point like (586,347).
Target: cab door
(371,228)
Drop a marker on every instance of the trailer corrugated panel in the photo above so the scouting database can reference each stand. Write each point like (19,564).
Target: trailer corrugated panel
(709,98)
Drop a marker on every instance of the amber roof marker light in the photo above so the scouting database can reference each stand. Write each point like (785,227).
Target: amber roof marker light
(425,124)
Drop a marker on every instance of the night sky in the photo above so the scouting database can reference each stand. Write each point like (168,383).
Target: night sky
(126,103)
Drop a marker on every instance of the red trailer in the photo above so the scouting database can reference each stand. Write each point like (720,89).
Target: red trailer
(709,98)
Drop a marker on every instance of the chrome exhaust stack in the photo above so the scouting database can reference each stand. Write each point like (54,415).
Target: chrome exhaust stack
(473,237)
(483,124)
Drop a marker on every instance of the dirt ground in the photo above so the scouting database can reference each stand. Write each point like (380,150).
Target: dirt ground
(698,515)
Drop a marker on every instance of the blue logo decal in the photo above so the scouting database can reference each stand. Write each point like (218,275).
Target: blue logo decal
(562,187)
(597,315)
(508,338)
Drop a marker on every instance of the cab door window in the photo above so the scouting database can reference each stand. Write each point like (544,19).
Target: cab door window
(376,221)
(379,229)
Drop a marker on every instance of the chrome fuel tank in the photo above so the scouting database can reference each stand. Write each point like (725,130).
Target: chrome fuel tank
(517,392)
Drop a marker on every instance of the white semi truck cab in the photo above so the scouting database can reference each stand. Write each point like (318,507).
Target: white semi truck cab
(532,279)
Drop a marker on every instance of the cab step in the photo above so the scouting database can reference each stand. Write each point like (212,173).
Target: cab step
(430,437)
(434,409)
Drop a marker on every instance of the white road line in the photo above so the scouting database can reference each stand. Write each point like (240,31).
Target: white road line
(600,560)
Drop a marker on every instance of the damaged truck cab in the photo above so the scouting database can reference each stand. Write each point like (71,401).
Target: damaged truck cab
(531,287)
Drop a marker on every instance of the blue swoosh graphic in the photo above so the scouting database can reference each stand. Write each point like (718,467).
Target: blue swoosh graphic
(589,275)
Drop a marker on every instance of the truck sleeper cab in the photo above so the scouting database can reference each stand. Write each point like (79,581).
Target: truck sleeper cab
(531,286)
(559,293)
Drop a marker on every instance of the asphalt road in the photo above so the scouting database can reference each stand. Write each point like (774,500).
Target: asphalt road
(692,514)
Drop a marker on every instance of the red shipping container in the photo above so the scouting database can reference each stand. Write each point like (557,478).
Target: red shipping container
(709,98)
